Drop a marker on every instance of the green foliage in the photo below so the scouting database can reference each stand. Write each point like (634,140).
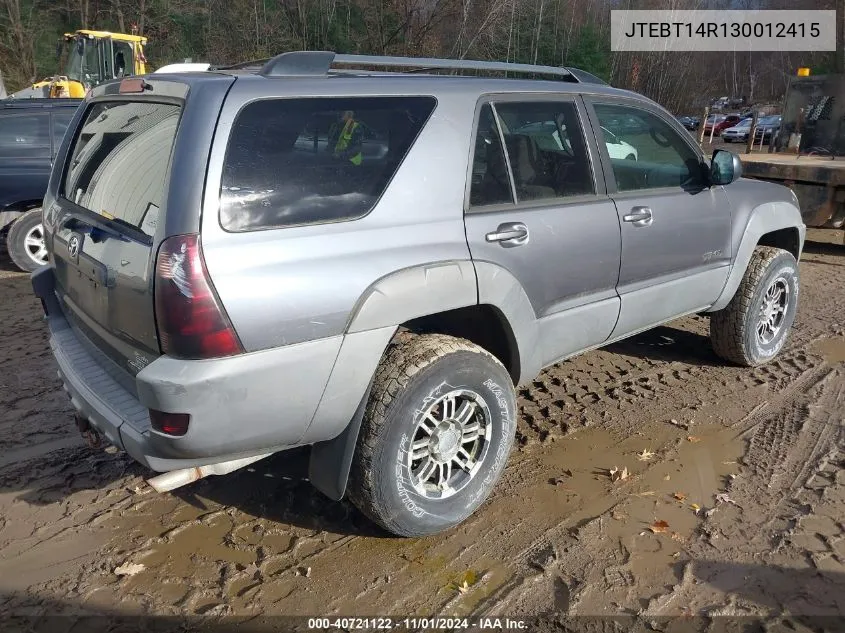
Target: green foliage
(591,52)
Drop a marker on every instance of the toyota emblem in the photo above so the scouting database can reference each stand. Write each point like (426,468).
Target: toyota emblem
(73,246)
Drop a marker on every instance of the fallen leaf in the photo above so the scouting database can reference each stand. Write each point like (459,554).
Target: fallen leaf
(695,507)
(129,569)
(693,439)
(667,478)
(618,475)
(658,527)
(645,455)
(723,497)
(680,496)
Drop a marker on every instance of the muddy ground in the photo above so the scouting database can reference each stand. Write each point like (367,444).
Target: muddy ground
(733,504)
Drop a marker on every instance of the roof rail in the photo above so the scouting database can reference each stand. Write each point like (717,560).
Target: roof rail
(320,63)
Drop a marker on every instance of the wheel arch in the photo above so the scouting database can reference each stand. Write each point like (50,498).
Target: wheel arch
(13,211)
(479,301)
(777,224)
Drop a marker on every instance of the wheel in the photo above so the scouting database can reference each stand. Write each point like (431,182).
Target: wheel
(25,241)
(630,157)
(435,436)
(753,327)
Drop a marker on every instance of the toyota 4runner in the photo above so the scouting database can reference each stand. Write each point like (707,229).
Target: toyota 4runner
(325,250)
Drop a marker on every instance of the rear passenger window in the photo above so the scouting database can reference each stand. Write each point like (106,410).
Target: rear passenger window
(61,120)
(293,162)
(546,150)
(25,135)
(490,182)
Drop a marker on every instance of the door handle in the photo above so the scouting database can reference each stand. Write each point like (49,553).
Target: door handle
(639,216)
(509,234)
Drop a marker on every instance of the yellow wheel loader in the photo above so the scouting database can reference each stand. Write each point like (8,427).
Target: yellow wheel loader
(88,58)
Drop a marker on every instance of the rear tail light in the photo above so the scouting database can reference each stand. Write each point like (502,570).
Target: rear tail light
(175,424)
(191,322)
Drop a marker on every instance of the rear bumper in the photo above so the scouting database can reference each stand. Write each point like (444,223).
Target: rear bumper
(239,406)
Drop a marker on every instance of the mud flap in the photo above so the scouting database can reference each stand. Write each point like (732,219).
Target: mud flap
(328,468)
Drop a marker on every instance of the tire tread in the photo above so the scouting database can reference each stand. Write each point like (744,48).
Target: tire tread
(406,356)
(729,326)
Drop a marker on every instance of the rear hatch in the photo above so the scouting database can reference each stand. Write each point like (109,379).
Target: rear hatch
(107,218)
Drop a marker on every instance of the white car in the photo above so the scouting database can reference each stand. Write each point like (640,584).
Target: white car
(617,148)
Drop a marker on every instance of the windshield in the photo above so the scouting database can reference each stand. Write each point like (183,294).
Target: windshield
(82,63)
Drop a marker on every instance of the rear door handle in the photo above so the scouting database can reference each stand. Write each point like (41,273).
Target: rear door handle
(509,234)
(639,216)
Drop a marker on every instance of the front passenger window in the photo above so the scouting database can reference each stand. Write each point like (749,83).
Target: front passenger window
(645,151)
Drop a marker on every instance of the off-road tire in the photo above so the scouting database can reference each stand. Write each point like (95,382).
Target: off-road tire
(416,370)
(15,240)
(733,329)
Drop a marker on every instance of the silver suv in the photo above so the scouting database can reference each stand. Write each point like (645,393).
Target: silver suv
(325,250)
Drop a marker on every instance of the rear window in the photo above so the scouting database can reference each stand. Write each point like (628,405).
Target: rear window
(25,135)
(293,162)
(118,165)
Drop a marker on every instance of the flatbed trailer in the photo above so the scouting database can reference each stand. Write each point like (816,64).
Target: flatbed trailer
(818,182)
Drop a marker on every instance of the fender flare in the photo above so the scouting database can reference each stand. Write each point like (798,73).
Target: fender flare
(392,300)
(763,219)
(499,288)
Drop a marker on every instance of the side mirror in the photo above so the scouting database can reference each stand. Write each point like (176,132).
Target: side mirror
(725,167)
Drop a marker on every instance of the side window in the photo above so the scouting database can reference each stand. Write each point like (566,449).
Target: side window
(546,150)
(122,62)
(645,151)
(25,135)
(292,162)
(490,182)
(61,120)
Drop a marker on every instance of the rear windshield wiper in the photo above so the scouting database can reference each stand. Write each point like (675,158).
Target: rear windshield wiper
(97,230)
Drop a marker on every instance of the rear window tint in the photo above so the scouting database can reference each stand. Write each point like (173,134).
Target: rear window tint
(61,120)
(292,162)
(25,135)
(118,165)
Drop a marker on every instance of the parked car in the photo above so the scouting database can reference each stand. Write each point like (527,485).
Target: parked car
(617,148)
(217,291)
(738,132)
(767,127)
(31,131)
(689,122)
(624,125)
(720,122)
(547,137)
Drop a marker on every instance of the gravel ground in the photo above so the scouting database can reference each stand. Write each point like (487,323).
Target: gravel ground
(734,501)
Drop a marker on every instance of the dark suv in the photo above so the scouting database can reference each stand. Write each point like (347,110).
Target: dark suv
(31,131)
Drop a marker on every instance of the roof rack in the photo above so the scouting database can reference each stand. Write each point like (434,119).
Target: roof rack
(311,63)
